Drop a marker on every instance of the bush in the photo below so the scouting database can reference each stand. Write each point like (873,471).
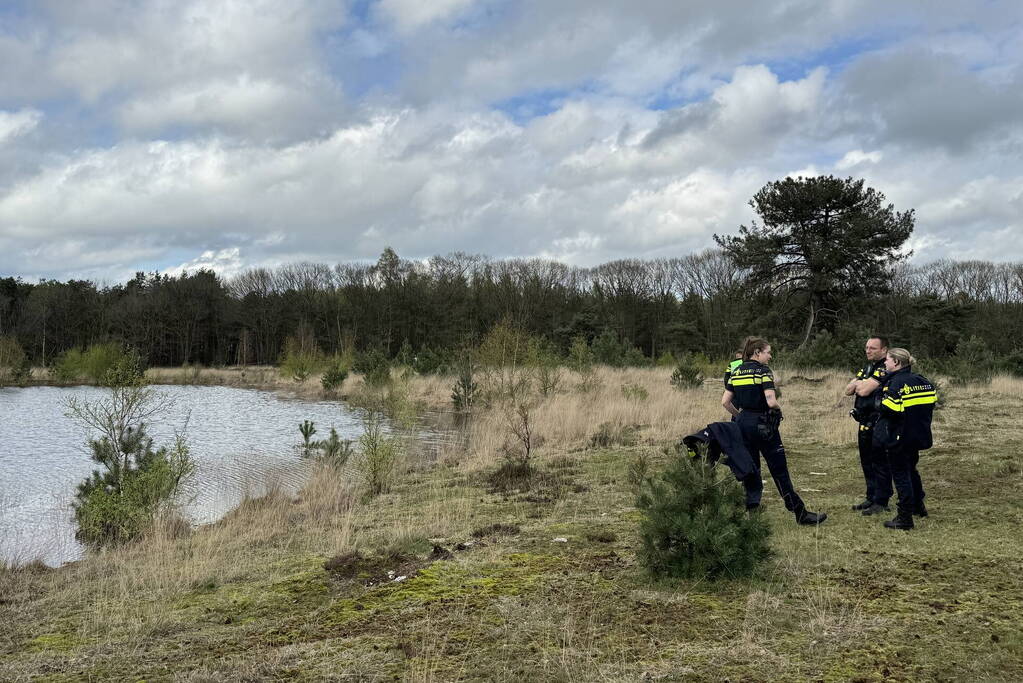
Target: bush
(546,365)
(694,522)
(104,364)
(334,376)
(334,449)
(687,374)
(823,350)
(380,453)
(1013,363)
(666,360)
(375,368)
(973,362)
(430,362)
(120,502)
(503,358)
(608,350)
(581,359)
(465,390)
(580,356)
(300,360)
(609,434)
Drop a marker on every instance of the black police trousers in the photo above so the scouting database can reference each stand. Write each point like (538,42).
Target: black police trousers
(903,462)
(771,448)
(874,462)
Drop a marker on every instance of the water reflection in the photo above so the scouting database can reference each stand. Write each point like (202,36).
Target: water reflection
(240,439)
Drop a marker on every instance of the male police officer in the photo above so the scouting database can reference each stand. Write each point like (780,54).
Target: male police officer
(876,471)
(732,367)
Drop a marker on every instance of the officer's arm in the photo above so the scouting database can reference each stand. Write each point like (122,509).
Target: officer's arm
(772,400)
(891,403)
(726,402)
(866,387)
(850,388)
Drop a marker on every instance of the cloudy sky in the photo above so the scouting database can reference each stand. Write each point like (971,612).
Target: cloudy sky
(169,134)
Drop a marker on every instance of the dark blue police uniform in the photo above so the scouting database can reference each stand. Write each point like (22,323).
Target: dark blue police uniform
(762,438)
(906,406)
(873,461)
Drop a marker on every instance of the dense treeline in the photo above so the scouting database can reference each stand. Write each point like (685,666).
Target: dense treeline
(698,302)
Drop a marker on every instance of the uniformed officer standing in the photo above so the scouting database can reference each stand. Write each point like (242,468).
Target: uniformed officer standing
(876,474)
(733,366)
(757,413)
(906,406)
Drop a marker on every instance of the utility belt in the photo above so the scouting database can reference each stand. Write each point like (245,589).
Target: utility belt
(768,421)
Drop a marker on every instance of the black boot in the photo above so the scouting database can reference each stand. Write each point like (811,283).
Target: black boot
(903,521)
(919,510)
(875,509)
(807,518)
(863,504)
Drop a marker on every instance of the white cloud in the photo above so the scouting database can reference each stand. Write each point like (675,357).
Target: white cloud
(226,262)
(291,131)
(856,157)
(409,15)
(13,124)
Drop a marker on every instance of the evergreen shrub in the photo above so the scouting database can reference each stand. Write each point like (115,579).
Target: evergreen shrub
(694,523)
(121,502)
(334,376)
(465,391)
(1013,363)
(688,373)
(375,368)
(973,362)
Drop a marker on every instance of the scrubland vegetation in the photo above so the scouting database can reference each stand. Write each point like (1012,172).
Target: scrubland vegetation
(514,554)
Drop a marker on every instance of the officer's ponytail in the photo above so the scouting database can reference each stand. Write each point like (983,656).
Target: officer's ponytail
(753,345)
(902,355)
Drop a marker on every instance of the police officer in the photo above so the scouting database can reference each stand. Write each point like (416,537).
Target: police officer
(906,406)
(733,366)
(867,383)
(758,414)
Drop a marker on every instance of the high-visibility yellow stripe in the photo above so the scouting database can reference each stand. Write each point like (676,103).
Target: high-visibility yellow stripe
(892,404)
(921,401)
(744,381)
(918,394)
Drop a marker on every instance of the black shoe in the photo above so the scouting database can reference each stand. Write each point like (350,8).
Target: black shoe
(754,508)
(875,509)
(903,521)
(807,518)
(919,510)
(866,503)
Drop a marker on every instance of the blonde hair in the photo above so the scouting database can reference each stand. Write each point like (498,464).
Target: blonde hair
(902,355)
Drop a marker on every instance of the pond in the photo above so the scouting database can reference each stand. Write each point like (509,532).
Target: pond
(241,439)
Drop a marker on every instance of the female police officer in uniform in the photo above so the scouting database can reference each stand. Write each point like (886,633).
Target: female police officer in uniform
(757,412)
(906,406)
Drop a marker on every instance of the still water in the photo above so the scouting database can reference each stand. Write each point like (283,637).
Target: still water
(240,439)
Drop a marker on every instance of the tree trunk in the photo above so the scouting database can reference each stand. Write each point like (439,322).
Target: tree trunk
(811,319)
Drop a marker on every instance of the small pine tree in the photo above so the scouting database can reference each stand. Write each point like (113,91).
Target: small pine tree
(687,374)
(465,390)
(695,525)
(334,376)
(307,429)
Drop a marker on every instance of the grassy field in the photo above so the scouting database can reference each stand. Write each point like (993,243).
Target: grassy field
(446,577)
